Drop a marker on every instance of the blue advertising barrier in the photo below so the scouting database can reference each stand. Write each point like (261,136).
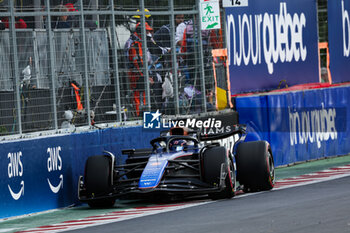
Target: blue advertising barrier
(269,39)
(42,174)
(300,126)
(339,39)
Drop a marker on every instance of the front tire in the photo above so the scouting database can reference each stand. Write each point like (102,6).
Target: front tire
(213,158)
(98,180)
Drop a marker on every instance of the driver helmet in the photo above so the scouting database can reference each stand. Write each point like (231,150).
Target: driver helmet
(176,145)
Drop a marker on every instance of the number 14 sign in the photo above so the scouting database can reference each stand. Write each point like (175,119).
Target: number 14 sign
(235,3)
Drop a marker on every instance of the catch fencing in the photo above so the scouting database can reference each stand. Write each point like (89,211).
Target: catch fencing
(57,77)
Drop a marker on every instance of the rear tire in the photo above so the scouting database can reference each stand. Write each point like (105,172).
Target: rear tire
(255,166)
(212,160)
(98,180)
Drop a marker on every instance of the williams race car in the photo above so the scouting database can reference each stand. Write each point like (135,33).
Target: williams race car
(181,163)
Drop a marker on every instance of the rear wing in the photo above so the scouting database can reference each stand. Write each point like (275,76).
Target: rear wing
(238,129)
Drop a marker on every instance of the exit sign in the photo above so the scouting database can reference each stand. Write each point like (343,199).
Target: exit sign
(210,14)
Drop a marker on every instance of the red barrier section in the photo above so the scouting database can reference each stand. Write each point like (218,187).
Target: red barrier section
(299,87)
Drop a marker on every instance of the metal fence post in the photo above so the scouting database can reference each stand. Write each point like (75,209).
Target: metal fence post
(201,57)
(115,65)
(174,57)
(86,74)
(145,58)
(52,66)
(17,81)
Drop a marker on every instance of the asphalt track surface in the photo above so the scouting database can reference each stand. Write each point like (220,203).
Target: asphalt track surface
(315,208)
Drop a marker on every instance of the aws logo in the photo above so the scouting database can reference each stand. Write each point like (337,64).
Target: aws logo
(15,170)
(54,163)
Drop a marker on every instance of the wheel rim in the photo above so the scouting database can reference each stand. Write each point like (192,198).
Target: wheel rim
(271,169)
(232,177)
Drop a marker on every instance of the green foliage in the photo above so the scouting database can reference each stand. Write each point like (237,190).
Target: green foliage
(3,130)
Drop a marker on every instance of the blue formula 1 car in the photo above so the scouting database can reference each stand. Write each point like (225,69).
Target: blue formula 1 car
(181,163)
